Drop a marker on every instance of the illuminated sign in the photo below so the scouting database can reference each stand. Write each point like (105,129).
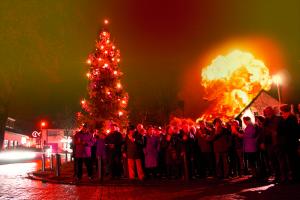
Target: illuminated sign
(36,134)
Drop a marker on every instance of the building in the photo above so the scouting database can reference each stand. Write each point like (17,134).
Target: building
(59,140)
(13,138)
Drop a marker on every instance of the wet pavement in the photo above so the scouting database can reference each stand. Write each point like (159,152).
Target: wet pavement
(16,185)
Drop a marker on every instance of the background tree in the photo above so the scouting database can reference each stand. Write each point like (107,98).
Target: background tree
(106,101)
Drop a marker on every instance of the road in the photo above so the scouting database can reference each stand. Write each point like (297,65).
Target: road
(15,185)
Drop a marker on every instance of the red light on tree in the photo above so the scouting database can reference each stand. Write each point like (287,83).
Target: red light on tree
(103,105)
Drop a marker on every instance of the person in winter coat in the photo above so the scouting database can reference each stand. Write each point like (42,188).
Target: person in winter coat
(83,142)
(263,161)
(221,143)
(133,150)
(187,147)
(114,143)
(151,152)
(162,154)
(205,166)
(289,137)
(100,151)
(172,153)
(272,141)
(250,145)
(238,154)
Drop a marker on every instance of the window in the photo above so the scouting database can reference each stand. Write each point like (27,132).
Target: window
(5,144)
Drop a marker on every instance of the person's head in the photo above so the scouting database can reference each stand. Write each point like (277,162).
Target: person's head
(234,125)
(96,132)
(185,128)
(193,129)
(140,127)
(202,124)
(269,112)
(247,120)
(130,130)
(150,130)
(217,123)
(175,129)
(285,111)
(158,131)
(169,130)
(259,121)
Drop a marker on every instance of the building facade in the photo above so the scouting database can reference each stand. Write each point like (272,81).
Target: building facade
(59,140)
(13,138)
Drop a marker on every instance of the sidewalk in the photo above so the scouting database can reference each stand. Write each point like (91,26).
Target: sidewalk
(210,188)
(67,177)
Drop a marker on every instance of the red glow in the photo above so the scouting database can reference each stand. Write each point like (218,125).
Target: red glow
(43,124)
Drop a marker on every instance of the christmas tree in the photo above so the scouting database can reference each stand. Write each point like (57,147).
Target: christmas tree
(107,101)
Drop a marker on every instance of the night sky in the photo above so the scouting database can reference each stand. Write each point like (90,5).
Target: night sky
(164,45)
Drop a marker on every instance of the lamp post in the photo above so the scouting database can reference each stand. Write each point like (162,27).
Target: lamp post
(43,124)
(278,80)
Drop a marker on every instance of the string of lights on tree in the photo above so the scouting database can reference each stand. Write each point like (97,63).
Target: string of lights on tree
(107,100)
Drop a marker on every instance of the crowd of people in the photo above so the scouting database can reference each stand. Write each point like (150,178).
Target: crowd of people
(261,149)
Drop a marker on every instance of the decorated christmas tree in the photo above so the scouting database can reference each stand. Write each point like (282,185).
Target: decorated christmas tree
(106,101)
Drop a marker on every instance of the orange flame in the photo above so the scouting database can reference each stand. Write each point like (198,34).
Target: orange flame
(231,82)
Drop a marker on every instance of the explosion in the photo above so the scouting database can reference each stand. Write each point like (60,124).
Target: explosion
(231,82)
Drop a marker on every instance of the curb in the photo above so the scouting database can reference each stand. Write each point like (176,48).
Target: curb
(31,176)
(119,183)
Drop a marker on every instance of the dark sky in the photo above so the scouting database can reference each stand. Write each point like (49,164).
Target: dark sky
(164,44)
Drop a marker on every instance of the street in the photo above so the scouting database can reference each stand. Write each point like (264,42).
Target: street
(15,185)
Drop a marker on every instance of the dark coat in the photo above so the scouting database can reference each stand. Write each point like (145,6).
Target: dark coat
(188,146)
(260,131)
(134,149)
(221,141)
(204,145)
(172,149)
(151,151)
(271,128)
(288,133)
(114,143)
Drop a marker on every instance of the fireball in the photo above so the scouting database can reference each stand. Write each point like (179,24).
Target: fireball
(231,82)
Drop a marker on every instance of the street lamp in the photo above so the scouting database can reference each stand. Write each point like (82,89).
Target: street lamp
(43,125)
(278,81)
